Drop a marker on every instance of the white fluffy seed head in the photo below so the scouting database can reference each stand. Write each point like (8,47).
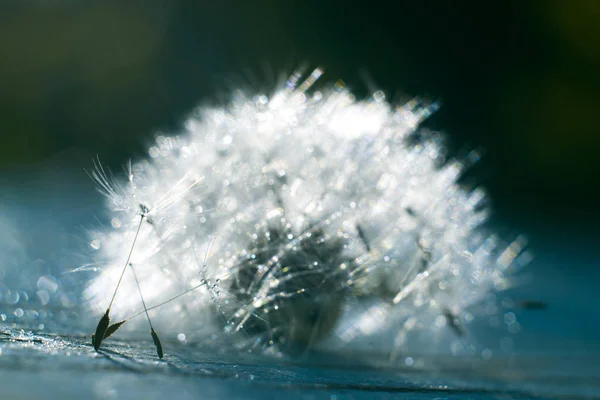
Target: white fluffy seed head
(288,210)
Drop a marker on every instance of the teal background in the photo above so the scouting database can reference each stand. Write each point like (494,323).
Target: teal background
(518,79)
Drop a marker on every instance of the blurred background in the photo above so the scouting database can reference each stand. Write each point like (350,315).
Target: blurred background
(516,79)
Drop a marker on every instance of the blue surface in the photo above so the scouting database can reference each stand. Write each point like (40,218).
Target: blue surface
(53,366)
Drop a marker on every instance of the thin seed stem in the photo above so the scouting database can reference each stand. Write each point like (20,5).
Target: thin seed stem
(155,338)
(169,300)
(127,262)
(137,282)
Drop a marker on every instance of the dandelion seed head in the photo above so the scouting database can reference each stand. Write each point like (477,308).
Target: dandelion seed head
(292,209)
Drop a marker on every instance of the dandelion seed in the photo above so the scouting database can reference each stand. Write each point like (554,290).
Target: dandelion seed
(153,333)
(361,235)
(101,330)
(104,322)
(109,331)
(114,192)
(156,340)
(453,323)
(532,305)
(113,328)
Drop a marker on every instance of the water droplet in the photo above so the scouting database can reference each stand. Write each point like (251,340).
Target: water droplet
(11,297)
(43,296)
(47,283)
(486,354)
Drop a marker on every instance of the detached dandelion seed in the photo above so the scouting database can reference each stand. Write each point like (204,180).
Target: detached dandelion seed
(321,205)
(103,324)
(114,327)
(116,194)
(155,339)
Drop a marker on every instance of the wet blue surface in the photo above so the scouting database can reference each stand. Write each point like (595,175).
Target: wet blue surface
(35,365)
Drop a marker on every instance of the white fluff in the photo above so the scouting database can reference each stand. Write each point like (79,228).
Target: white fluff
(294,208)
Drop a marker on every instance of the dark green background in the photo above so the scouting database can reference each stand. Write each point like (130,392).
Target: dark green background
(517,78)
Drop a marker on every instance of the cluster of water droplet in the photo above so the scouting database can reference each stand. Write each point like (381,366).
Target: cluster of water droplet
(31,295)
(285,212)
